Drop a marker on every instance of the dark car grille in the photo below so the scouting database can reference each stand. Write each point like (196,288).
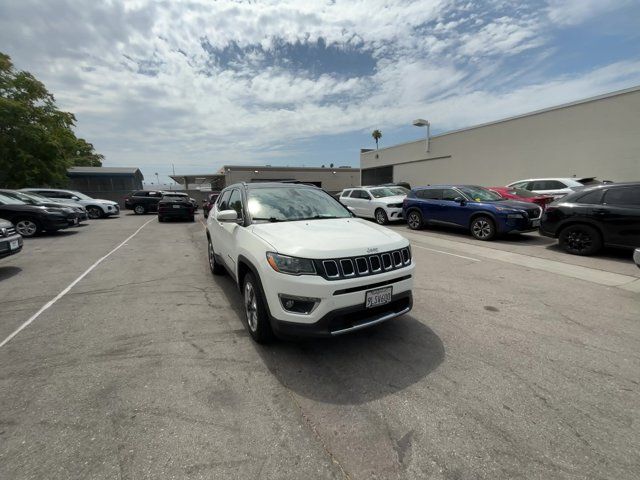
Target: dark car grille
(362,266)
(534,212)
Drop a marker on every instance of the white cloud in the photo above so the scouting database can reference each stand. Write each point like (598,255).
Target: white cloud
(573,12)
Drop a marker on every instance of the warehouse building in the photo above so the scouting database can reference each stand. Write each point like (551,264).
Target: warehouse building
(598,136)
(330,179)
(110,183)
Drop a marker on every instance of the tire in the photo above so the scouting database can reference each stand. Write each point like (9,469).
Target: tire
(214,266)
(27,228)
(415,220)
(381,216)
(580,240)
(139,210)
(95,212)
(160,219)
(192,218)
(256,317)
(483,228)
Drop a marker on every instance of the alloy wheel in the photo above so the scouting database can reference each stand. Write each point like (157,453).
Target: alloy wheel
(93,212)
(26,228)
(139,209)
(579,241)
(413,220)
(251,306)
(381,218)
(482,229)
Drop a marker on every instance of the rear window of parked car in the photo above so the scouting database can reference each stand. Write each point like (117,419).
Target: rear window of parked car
(548,185)
(623,196)
(591,198)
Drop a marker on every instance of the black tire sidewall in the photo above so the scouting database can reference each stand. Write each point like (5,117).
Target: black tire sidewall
(216,268)
(263,333)
(135,210)
(596,241)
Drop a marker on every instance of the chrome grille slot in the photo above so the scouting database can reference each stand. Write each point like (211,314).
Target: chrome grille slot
(374,261)
(397,258)
(406,257)
(331,268)
(362,266)
(347,267)
(386,261)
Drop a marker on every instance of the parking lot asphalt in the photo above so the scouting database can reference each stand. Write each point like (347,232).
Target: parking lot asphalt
(517,361)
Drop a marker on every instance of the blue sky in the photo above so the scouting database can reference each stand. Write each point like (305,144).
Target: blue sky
(199,84)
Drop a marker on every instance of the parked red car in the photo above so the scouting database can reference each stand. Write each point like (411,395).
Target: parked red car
(523,195)
(207,203)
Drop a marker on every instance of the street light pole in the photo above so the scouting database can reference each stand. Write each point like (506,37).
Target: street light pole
(420,122)
(158,177)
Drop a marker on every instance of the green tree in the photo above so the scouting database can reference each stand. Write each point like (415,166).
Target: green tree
(377,135)
(37,143)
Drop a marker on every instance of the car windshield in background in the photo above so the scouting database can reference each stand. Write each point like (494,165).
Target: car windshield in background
(521,192)
(7,200)
(290,204)
(82,196)
(479,194)
(400,190)
(384,192)
(31,198)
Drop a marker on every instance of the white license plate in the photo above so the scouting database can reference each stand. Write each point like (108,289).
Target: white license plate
(377,297)
(176,206)
(14,245)
(535,223)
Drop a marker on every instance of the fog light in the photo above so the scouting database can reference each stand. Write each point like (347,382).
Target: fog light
(295,304)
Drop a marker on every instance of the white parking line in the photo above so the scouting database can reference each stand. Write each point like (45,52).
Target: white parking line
(445,253)
(69,287)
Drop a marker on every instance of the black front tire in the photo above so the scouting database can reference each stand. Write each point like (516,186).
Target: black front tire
(160,219)
(192,218)
(415,220)
(483,228)
(580,240)
(381,217)
(139,210)
(214,266)
(256,317)
(95,212)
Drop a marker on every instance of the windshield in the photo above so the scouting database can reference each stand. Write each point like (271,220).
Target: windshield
(480,194)
(400,190)
(22,197)
(384,192)
(291,203)
(81,195)
(7,200)
(521,192)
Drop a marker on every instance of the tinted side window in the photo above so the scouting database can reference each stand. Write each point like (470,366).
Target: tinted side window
(223,201)
(450,194)
(430,194)
(51,194)
(155,194)
(623,196)
(591,198)
(521,185)
(360,194)
(548,185)
(140,194)
(235,202)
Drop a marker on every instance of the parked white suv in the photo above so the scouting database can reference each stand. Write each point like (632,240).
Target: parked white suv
(304,264)
(557,187)
(384,204)
(96,207)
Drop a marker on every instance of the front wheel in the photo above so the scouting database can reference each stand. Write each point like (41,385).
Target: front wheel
(483,228)
(580,240)
(414,220)
(139,209)
(95,212)
(27,228)
(214,266)
(255,312)
(381,216)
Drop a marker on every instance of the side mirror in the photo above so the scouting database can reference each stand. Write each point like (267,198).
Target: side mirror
(459,200)
(75,198)
(227,216)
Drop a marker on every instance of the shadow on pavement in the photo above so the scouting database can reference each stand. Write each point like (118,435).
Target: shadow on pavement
(8,272)
(350,369)
(619,255)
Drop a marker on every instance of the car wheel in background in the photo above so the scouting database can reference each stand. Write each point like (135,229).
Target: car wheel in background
(139,209)
(95,212)
(381,216)
(215,267)
(414,220)
(255,312)
(26,227)
(192,218)
(483,228)
(160,219)
(580,240)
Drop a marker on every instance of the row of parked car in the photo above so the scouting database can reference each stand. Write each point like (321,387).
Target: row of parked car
(583,214)
(29,211)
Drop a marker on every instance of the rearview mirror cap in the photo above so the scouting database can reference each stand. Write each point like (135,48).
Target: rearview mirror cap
(227,216)
(459,200)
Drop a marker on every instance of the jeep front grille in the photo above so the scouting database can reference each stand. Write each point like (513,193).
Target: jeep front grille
(350,267)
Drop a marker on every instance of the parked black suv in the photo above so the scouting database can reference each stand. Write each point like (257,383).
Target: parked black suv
(10,240)
(175,207)
(603,215)
(143,201)
(30,220)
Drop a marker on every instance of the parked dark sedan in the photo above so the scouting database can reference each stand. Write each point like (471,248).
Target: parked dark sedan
(207,203)
(73,215)
(10,240)
(593,217)
(175,207)
(29,219)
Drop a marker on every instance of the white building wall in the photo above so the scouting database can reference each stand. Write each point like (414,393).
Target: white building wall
(599,137)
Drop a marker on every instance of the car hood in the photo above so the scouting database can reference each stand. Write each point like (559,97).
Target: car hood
(514,204)
(106,202)
(330,238)
(389,200)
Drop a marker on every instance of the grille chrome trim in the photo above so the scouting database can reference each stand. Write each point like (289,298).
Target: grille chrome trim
(406,256)
(335,265)
(364,265)
(377,258)
(386,259)
(397,258)
(347,261)
(365,270)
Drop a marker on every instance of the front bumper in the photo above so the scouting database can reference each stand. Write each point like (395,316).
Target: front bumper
(520,225)
(51,224)
(111,210)
(341,306)
(5,245)
(394,214)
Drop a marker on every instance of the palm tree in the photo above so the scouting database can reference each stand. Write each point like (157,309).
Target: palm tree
(377,135)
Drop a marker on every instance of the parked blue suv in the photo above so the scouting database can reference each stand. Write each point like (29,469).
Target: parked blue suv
(485,213)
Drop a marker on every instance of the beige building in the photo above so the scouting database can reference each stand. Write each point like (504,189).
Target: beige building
(330,179)
(598,136)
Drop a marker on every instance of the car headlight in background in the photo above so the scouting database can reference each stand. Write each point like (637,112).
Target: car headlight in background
(395,205)
(290,265)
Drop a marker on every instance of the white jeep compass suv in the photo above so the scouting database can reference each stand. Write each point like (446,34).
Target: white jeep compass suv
(304,265)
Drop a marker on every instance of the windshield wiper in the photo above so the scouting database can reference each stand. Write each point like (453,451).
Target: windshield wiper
(270,219)
(320,217)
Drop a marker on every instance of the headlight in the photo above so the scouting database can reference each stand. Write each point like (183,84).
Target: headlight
(291,265)
(395,205)
(515,215)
